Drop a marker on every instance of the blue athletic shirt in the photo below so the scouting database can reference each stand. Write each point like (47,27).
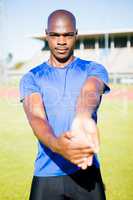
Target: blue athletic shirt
(59,89)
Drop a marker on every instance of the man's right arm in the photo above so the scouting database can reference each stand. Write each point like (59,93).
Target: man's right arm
(35,112)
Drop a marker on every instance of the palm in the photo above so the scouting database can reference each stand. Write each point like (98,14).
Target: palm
(85,133)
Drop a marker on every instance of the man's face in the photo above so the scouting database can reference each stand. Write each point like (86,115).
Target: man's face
(61,37)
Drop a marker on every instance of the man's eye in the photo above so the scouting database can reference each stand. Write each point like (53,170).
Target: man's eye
(54,35)
(69,34)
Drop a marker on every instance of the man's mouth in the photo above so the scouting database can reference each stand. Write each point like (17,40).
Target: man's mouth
(61,50)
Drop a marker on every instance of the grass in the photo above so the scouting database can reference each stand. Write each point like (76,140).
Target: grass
(17,153)
(116,150)
(18,149)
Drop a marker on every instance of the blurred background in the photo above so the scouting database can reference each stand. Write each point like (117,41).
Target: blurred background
(106,36)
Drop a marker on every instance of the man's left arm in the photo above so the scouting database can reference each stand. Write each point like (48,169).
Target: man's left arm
(90,95)
(87,102)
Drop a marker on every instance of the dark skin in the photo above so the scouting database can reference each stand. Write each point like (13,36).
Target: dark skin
(61,36)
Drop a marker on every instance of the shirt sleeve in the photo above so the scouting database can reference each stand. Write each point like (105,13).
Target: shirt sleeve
(99,71)
(28,86)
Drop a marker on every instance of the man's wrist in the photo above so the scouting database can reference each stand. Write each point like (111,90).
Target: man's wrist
(53,143)
(84,114)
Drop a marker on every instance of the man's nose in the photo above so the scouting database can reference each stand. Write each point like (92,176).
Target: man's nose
(61,40)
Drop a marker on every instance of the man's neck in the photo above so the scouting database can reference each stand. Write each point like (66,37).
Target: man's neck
(55,63)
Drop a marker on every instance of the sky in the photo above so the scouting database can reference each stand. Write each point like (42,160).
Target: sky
(19,20)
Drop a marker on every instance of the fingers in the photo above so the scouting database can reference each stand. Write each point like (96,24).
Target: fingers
(75,154)
(87,162)
(83,162)
(79,161)
(87,150)
(80,153)
(80,156)
(90,161)
(83,165)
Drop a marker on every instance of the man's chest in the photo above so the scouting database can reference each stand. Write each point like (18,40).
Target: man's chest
(62,86)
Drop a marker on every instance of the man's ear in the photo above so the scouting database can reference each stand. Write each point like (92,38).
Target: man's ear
(76,33)
(46,33)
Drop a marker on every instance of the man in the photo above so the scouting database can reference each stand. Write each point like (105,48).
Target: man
(54,94)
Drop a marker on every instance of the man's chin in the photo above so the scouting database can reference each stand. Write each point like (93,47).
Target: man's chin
(63,57)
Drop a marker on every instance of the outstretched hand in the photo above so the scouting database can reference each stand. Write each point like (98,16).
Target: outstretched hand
(85,133)
(72,150)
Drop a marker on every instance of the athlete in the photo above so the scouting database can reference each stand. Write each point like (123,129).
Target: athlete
(61,98)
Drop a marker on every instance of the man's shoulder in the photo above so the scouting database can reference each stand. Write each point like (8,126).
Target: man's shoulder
(83,61)
(38,69)
(34,72)
(91,64)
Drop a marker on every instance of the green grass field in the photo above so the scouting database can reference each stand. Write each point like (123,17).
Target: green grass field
(18,149)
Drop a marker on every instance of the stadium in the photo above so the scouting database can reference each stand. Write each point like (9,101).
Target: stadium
(113,49)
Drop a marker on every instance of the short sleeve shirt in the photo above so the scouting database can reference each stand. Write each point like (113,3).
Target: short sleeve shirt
(59,89)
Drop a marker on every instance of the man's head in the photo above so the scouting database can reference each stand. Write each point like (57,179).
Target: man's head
(61,34)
